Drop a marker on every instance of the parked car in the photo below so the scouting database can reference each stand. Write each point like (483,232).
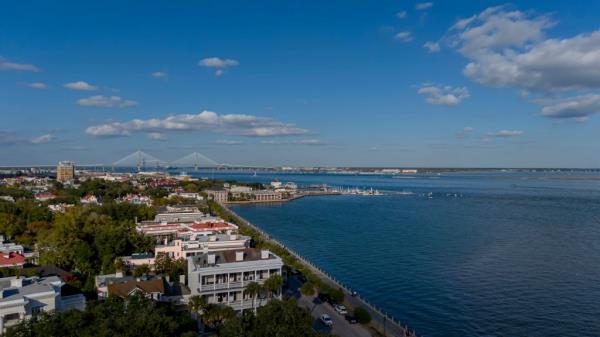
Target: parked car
(340,309)
(325,319)
(351,319)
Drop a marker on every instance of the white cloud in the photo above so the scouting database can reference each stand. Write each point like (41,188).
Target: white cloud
(37,85)
(432,47)
(219,64)
(423,5)
(6,65)
(401,15)
(228,142)
(510,48)
(160,74)
(42,139)
(157,136)
(505,133)
(11,138)
(106,102)
(246,125)
(404,36)
(572,107)
(80,85)
(446,95)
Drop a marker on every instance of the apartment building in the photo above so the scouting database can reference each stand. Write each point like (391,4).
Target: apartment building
(221,277)
(65,171)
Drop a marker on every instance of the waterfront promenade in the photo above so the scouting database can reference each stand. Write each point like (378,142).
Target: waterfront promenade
(381,322)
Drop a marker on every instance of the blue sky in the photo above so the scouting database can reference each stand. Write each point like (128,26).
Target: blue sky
(360,83)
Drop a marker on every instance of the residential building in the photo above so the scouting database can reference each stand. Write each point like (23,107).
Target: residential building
(7,198)
(65,171)
(60,208)
(199,244)
(21,298)
(187,195)
(153,289)
(173,230)
(220,196)
(14,255)
(221,277)
(137,199)
(45,196)
(90,200)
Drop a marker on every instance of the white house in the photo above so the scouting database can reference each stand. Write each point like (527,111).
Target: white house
(20,298)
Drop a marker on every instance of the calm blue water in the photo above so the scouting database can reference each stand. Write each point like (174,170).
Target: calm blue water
(508,254)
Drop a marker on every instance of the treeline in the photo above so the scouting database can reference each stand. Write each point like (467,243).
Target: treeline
(135,316)
(87,240)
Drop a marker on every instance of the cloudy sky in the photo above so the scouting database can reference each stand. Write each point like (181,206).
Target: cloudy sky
(365,83)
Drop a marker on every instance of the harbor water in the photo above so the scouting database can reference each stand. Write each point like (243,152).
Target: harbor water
(471,254)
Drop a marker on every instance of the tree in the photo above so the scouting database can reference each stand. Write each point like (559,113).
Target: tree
(337,295)
(282,318)
(120,264)
(135,316)
(195,304)
(141,270)
(162,263)
(252,290)
(273,284)
(307,289)
(239,326)
(362,315)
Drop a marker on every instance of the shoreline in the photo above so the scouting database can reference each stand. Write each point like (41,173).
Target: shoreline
(382,322)
(295,197)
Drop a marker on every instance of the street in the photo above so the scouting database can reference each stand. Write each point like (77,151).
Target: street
(341,327)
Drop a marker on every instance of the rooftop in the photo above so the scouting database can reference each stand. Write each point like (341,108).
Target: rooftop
(125,288)
(229,256)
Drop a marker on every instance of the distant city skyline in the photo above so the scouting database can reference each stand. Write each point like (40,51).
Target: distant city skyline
(302,83)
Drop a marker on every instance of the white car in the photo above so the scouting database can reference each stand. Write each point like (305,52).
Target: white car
(325,319)
(340,309)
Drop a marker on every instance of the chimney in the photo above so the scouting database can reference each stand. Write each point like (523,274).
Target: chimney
(233,237)
(211,259)
(239,255)
(212,238)
(119,273)
(264,254)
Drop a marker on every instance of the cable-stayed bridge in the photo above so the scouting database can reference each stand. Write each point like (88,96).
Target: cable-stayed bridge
(142,160)
(197,160)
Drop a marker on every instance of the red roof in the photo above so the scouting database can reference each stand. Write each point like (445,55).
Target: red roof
(13,259)
(211,225)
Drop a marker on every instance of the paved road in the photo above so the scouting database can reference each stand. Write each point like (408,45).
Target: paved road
(341,327)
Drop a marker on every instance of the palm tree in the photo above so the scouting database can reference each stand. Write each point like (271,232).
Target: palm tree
(253,289)
(273,284)
(195,304)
